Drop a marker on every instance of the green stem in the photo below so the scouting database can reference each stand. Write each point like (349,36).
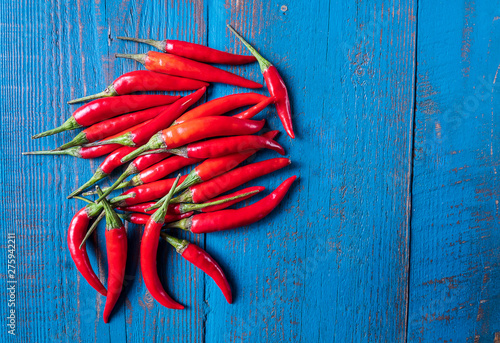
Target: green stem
(113,221)
(125,216)
(155,142)
(183,224)
(69,124)
(125,139)
(191,179)
(131,169)
(98,175)
(82,199)
(75,152)
(195,207)
(160,45)
(264,64)
(110,91)
(186,196)
(179,244)
(79,139)
(91,229)
(159,216)
(120,200)
(141,58)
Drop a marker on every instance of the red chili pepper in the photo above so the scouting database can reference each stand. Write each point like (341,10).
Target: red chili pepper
(180,66)
(142,218)
(144,81)
(231,219)
(163,120)
(207,190)
(201,259)
(76,232)
(219,147)
(113,126)
(221,105)
(253,111)
(275,84)
(198,129)
(102,109)
(149,249)
(110,163)
(144,193)
(139,164)
(194,51)
(116,248)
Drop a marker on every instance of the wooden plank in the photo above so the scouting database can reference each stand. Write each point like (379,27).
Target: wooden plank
(455,221)
(330,263)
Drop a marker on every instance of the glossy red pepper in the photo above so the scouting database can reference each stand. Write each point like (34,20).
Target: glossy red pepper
(113,126)
(163,120)
(144,81)
(197,52)
(102,109)
(254,110)
(180,66)
(116,248)
(207,190)
(231,219)
(275,84)
(142,218)
(219,147)
(76,232)
(149,250)
(144,193)
(110,163)
(221,105)
(201,259)
(198,129)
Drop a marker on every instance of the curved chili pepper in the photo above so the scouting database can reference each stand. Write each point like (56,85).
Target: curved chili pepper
(110,163)
(180,66)
(163,120)
(144,193)
(254,110)
(142,218)
(194,51)
(201,259)
(142,208)
(208,170)
(144,81)
(76,232)
(207,190)
(219,147)
(231,219)
(221,105)
(102,109)
(149,249)
(139,164)
(116,248)
(275,84)
(198,129)
(113,126)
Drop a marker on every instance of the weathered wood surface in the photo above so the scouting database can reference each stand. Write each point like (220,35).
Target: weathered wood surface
(391,232)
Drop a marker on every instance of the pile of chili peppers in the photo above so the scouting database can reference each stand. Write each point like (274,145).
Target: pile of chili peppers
(159,135)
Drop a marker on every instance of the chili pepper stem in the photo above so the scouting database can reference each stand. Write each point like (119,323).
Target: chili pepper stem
(190,180)
(113,221)
(154,143)
(82,199)
(184,208)
(263,63)
(69,124)
(131,169)
(120,200)
(125,139)
(98,175)
(141,58)
(92,229)
(108,92)
(159,216)
(75,152)
(182,198)
(160,45)
(183,224)
(179,244)
(79,139)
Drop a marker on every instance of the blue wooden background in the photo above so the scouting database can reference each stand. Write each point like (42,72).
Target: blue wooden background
(391,234)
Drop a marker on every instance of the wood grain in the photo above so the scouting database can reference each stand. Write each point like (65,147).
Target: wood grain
(390,233)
